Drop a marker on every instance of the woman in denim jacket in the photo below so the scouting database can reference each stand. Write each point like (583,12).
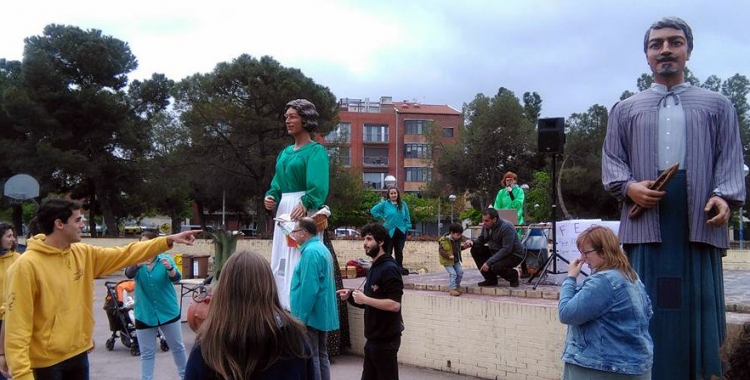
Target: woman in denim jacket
(607,316)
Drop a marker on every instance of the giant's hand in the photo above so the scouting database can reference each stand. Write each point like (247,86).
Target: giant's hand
(269,203)
(185,237)
(722,211)
(299,211)
(640,193)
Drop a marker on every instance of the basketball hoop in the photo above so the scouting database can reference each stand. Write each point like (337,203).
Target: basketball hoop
(21,187)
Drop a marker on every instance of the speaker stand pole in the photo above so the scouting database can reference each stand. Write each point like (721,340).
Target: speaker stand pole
(552,259)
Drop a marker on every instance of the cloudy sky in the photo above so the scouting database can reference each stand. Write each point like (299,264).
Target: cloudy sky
(574,53)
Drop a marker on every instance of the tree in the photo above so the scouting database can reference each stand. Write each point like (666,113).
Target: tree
(532,106)
(626,94)
(349,200)
(234,115)
(644,82)
(80,118)
(498,137)
(584,196)
(712,83)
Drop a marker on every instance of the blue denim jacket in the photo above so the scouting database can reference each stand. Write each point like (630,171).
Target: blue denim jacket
(607,318)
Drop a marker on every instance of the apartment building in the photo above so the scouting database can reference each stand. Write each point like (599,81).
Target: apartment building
(389,138)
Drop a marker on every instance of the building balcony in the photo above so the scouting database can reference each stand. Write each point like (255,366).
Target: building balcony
(375,161)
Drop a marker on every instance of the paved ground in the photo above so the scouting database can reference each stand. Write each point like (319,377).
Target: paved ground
(120,365)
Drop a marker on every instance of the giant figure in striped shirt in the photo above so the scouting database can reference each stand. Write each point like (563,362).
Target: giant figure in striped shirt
(677,244)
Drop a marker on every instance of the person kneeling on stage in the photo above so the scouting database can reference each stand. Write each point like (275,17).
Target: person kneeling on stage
(497,251)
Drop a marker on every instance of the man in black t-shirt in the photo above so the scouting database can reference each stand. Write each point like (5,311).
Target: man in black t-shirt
(381,299)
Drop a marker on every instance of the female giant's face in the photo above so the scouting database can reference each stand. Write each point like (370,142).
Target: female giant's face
(393,194)
(293,122)
(8,239)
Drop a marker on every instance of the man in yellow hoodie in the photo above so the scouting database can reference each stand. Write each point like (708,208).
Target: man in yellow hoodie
(49,318)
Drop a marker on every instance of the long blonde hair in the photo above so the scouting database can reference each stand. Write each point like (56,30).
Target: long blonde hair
(246,330)
(607,246)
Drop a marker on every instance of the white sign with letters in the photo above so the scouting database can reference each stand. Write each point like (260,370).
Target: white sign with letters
(567,233)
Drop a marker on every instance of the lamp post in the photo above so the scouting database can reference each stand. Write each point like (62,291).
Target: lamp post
(452,198)
(389,181)
(745,170)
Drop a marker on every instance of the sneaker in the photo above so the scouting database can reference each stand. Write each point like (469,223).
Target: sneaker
(514,284)
(454,293)
(404,272)
(487,283)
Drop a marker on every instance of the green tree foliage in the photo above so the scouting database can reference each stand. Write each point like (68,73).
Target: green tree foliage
(644,82)
(538,201)
(234,115)
(580,177)
(348,199)
(626,94)
(422,209)
(532,106)
(79,118)
(498,137)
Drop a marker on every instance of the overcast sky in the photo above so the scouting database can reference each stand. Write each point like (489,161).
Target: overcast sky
(574,53)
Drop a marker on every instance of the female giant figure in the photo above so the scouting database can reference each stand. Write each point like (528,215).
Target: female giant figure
(299,187)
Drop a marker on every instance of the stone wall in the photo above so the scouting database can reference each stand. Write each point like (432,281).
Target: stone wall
(417,254)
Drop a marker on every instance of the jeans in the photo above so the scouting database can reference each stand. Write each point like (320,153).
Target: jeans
(381,360)
(75,368)
(147,343)
(455,273)
(321,364)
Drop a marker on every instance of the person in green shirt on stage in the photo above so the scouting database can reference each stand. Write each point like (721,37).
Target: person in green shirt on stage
(299,187)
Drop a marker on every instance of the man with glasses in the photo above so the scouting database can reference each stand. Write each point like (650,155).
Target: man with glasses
(497,251)
(313,293)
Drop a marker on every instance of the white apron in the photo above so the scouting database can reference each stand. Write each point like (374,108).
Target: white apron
(284,258)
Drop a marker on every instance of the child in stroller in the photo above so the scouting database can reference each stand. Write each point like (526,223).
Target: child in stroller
(119,307)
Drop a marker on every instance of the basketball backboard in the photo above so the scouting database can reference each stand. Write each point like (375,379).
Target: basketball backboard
(21,187)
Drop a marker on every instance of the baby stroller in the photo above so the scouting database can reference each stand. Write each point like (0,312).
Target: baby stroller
(119,307)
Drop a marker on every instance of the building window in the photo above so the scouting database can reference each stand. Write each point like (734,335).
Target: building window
(448,132)
(375,156)
(415,127)
(416,151)
(376,133)
(341,153)
(418,174)
(375,180)
(341,133)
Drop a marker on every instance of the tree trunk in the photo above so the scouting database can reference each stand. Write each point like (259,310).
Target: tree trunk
(109,217)
(18,218)
(176,224)
(560,200)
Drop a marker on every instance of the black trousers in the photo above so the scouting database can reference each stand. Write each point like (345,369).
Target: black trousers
(397,243)
(381,360)
(504,268)
(75,368)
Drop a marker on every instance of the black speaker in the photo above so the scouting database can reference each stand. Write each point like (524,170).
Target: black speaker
(551,135)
